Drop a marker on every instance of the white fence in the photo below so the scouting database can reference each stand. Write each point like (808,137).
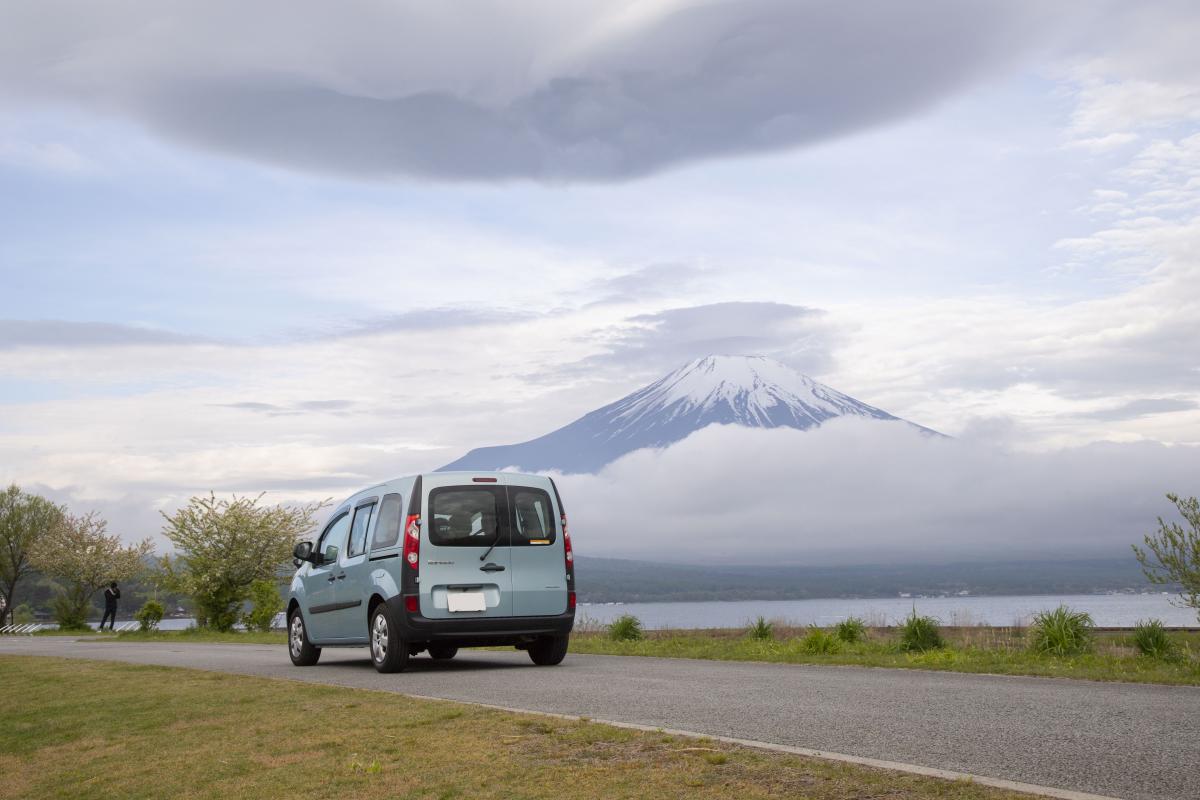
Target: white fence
(33,627)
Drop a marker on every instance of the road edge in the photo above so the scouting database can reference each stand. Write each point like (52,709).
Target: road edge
(864,761)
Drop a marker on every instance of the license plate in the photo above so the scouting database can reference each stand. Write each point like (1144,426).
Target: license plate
(465,601)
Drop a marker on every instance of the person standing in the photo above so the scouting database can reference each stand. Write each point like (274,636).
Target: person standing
(111,595)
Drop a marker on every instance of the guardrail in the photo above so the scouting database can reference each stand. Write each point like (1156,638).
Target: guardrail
(28,629)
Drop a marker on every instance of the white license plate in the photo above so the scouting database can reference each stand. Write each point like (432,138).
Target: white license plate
(465,601)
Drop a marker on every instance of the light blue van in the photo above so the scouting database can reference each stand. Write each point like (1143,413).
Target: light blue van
(436,562)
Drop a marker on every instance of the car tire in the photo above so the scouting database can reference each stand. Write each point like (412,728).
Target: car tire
(303,652)
(442,652)
(389,653)
(549,651)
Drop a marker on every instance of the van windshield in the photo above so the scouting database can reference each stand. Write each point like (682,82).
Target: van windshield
(463,517)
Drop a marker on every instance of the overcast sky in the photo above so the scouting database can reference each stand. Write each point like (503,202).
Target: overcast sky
(299,248)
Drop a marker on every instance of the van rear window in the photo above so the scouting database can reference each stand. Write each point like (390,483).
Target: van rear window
(464,516)
(533,516)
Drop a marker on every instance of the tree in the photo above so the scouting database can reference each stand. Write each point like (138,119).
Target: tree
(24,518)
(225,545)
(1172,555)
(79,553)
(265,604)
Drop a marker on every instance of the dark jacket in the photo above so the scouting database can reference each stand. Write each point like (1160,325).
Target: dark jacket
(111,596)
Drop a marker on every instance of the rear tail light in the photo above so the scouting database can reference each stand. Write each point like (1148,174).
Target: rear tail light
(570,564)
(412,603)
(412,541)
(567,544)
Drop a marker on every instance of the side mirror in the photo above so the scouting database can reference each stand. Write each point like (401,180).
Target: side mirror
(302,551)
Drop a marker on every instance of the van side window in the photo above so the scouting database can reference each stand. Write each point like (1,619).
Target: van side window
(334,536)
(533,517)
(358,530)
(463,516)
(387,529)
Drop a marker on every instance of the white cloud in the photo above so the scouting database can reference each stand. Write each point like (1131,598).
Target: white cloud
(865,491)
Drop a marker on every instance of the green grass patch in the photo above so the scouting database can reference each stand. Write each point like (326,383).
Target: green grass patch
(1062,632)
(82,729)
(1003,651)
(850,630)
(819,641)
(1152,640)
(920,634)
(625,628)
(761,629)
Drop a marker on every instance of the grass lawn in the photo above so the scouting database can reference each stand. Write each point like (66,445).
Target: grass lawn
(973,649)
(79,729)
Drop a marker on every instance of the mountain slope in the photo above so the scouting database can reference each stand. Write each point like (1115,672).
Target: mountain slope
(752,391)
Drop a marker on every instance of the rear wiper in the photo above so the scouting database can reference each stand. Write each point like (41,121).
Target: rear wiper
(492,546)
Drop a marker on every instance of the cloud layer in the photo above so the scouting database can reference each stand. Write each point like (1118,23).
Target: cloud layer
(549,90)
(868,492)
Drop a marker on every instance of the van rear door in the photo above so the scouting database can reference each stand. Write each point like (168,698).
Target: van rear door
(538,560)
(464,517)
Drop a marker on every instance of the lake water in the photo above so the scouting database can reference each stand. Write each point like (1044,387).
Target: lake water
(1119,610)
(1108,610)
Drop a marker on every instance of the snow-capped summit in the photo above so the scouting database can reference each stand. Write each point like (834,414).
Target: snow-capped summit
(753,391)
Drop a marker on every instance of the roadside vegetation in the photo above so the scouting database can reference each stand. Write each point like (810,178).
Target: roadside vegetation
(1061,643)
(1171,554)
(226,736)
(230,559)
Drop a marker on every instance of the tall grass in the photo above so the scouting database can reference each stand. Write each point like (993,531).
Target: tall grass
(1062,632)
(625,628)
(850,630)
(919,633)
(761,630)
(1152,639)
(819,642)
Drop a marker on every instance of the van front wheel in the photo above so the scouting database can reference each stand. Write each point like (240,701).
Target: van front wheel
(389,653)
(549,651)
(303,652)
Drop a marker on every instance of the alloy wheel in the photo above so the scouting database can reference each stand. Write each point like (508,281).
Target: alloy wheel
(379,638)
(296,636)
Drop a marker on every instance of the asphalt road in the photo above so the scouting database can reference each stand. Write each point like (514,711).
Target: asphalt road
(1133,741)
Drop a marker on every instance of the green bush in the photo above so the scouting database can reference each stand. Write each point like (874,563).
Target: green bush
(850,630)
(1062,632)
(919,633)
(761,629)
(625,628)
(265,604)
(149,615)
(70,612)
(819,641)
(1152,639)
(22,614)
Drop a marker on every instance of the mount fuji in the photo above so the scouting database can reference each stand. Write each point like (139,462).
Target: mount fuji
(752,391)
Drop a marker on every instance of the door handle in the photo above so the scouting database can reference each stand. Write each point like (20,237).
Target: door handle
(331,579)
(490,567)
(339,577)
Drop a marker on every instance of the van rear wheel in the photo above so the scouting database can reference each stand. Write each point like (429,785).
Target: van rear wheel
(442,652)
(548,651)
(303,652)
(389,653)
